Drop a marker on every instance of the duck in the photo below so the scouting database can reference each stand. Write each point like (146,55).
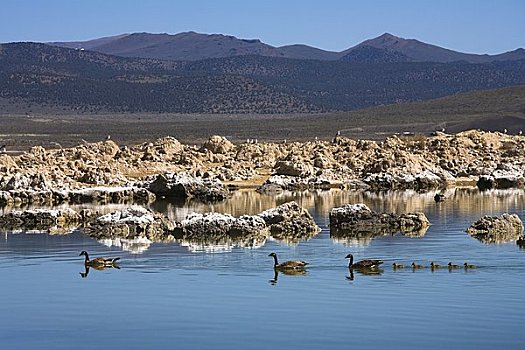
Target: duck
(417,266)
(288,265)
(452,266)
(469,266)
(433,265)
(363,264)
(99,262)
(398,266)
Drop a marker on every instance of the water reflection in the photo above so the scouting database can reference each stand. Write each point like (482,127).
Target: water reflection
(497,236)
(209,242)
(288,272)
(374,271)
(363,237)
(137,245)
(293,238)
(99,268)
(322,201)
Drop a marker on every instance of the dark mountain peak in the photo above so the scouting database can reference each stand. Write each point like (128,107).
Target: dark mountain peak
(389,41)
(387,37)
(370,54)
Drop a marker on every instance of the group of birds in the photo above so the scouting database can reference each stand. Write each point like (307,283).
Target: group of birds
(364,264)
(434,266)
(101,263)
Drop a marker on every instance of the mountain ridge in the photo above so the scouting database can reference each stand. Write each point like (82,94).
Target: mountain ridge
(192,46)
(93,81)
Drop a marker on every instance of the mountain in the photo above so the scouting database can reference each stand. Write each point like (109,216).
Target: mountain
(89,44)
(89,81)
(191,46)
(370,54)
(418,51)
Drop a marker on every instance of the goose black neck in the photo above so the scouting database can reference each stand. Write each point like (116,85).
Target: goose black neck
(276,263)
(351,261)
(86,260)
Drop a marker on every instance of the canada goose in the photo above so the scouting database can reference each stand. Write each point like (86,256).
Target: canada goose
(417,266)
(363,264)
(521,241)
(98,262)
(292,264)
(469,266)
(398,266)
(452,266)
(433,265)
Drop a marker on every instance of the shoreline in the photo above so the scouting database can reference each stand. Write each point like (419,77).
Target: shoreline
(166,167)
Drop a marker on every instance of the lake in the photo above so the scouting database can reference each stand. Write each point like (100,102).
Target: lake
(195,295)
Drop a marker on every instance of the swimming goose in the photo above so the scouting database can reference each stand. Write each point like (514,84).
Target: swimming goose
(521,241)
(468,266)
(363,264)
(417,266)
(292,264)
(98,262)
(452,266)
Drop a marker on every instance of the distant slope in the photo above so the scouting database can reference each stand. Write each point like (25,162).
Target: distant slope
(193,46)
(419,51)
(370,54)
(89,44)
(91,81)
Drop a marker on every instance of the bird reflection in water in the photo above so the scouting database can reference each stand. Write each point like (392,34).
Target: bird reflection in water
(289,272)
(99,268)
(365,271)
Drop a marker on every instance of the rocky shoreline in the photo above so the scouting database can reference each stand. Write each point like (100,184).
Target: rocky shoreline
(106,173)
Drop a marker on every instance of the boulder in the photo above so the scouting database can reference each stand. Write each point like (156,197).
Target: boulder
(358,219)
(40,219)
(6,162)
(217,144)
(297,168)
(223,224)
(289,219)
(184,186)
(497,229)
(132,223)
(501,179)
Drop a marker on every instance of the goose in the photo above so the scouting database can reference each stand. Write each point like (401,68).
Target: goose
(363,264)
(452,266)
(98,262)
(433,265)
(292,264)
(417,266)
(469,266)
(521,241)
(398,266)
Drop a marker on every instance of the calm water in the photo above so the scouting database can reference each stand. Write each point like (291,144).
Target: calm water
(198,296)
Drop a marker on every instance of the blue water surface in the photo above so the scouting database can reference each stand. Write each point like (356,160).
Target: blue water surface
(176,296)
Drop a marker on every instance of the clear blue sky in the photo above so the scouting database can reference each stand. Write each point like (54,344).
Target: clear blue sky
(475,26)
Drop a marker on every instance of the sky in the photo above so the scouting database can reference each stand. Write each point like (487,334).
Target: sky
(472,26)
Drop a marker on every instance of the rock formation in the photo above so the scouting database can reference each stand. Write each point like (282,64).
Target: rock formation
(357,220)
(494,229)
